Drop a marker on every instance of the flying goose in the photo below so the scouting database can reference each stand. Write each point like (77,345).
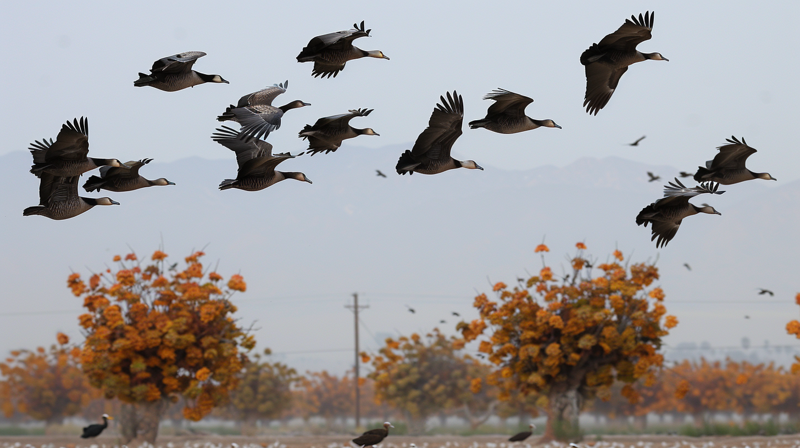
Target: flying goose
(58,198)
(330,52)
(728,166)
(380,173)
(652,177)
(636,143)
(685,174)
(373,436)
(174,73)
(95,429)
(68,155)
(667,213)
(328,132)
(507,114)
(523,435)
(256,162)
(256,113)
(686,265)
(762,291)
(431,151)
(607,61)
(124,178)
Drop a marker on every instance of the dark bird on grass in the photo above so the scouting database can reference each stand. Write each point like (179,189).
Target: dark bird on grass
(667,213)
(68,155)
(175,72)
(523,435)
(608,60)
(256,113)
(507,114)
(58,198)
(762,291)
(328,132)
(636,143)
(256,162)
(686,265)
(456,314)
(373,436)
(123,178)
(431,151)
(728,166)
(652,177)
(411,310)
(95,429)
(685,174)
(330,52)
(379,173)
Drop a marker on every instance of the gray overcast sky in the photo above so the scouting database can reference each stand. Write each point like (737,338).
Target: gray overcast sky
(732,70)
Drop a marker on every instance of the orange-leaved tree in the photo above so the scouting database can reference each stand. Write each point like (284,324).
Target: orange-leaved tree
(568,339)
(793,327)
(45,384)
(155,333)
(264,392)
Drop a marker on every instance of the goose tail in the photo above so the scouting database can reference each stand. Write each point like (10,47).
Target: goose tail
(35,210)
(228,114)
(406,163)
(143,80)
(478,124)
(227,184)
(700,175)
(93,183)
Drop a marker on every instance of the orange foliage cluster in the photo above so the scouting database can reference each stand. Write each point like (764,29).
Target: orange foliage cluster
(320,394)
(554,335)
(153,333)
(46,385)
(793,328)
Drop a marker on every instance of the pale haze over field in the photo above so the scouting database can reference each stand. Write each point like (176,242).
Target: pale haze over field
(427,242)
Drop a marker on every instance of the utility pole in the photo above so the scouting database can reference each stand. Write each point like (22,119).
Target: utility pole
(355,309)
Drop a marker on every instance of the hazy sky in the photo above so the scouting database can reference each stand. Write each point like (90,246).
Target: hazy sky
(732,70)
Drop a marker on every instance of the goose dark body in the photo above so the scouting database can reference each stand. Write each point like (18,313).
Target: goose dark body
(328,133)
(519,437)
(256,162)
(667,213)
(68,155)
(373,436)
(256,113)
(507,114)
(124,178)
(728,166)
(608,60)
(94,430)
(174,73)
(330,52)
(58,198)
(431,151)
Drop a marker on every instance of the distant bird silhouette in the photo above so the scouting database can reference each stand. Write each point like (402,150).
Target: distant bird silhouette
(588,264)
(667,213)
(456,314)
(685,174)
(442,321)
(330,52)
(687,266)
(373,436)
(608,60)
(411,310)
(95,429)
(762,291)
(507,114)
(519,437)
(652,177)
(728,166)
(636,143)
(380,174)
(256,113)
(747,317)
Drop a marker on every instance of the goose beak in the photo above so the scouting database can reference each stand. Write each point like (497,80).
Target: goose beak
(170,183)
(306,104)
(478,167)
(556,126)
(113,202)
(309,180)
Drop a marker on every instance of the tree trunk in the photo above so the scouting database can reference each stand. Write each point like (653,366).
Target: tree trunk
(562,416)
(139,421)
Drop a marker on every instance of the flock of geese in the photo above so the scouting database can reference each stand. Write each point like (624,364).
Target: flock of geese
(59,164)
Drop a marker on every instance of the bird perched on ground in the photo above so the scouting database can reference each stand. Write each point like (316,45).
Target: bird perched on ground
(728,166)
(685,174)
(330,52)
(636,143)
(411,310)
(379,173)
(762,291)
(652,177)
(58,198)
(328,132)
(68,155)
(373,436)
(507,114)
(256,162)
(256,113)
(686,265)
(608,60)
(519,437)
(123,178)
(175,72)
(667,213)
(95,429)
(431,151)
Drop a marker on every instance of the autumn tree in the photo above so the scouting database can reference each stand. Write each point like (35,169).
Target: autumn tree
(569,339)
(45,384)
(325,395)
(264,392)
(155,333)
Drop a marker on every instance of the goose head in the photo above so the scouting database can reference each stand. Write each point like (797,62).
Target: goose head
(100,201)
(377,54)
(471,165)
(387,425)
(294,105)
(367,131)
(213,78)
(765,176)
(708,209)
(297,176)
(655,56)
(550,124)
(106,416)
(161,181)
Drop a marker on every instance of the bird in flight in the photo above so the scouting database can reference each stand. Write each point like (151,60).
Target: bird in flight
(685,174)
(380,174)
(652,177)
(687,266)
(411,310)
(636,143)
(762,291)
(456,314)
